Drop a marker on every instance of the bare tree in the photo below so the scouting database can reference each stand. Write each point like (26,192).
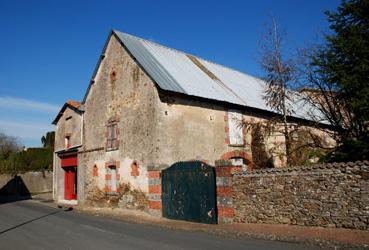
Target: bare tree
(279,77)
(8,144)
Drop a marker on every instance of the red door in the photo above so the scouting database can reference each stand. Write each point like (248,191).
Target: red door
(69,164)
(70,183)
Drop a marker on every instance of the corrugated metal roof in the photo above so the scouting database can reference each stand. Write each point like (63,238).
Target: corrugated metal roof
(174,70)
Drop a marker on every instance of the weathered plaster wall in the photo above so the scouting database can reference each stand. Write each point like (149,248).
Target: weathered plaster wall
(156,128)
(58,185)
(121,91)
(70,123)
(189,130)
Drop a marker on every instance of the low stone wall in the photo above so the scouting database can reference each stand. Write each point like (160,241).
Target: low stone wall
(330,195)
(24,184)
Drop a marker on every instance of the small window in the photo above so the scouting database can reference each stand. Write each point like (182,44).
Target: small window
(112,137)
(67,141)
(95,172)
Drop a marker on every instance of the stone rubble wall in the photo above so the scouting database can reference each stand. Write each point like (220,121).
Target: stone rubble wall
(329,195)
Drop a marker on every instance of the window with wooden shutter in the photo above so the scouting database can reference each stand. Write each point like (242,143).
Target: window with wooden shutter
(235,128)
(112,142)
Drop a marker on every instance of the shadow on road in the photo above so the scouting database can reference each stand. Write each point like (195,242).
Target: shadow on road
(14,190)
(29,221)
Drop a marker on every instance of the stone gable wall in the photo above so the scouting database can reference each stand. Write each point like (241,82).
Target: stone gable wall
(330,195)
(69,124)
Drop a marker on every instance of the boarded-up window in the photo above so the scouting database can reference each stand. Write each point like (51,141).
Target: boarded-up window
(113,172)
(112,179)
(235,128)
(112,142)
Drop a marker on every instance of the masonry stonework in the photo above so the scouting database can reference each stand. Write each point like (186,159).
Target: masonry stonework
(155,127)
(224,191)
(155,192)
(152,127)
(122,93)
(70,124)
(331,195)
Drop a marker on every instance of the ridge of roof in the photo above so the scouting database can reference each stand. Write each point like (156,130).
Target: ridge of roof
(74,105)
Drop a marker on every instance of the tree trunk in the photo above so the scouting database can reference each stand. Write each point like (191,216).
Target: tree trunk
(286,135)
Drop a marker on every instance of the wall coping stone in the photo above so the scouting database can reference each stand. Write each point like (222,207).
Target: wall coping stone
(341,167)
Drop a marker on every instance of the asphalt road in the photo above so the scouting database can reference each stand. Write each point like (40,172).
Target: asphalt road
(28,225)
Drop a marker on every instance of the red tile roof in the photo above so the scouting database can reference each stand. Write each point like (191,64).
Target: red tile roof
(73,104)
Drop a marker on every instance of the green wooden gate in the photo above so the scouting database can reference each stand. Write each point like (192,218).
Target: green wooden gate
(188,192)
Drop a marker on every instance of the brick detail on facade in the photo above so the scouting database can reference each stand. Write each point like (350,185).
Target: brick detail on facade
(155,201)
(226,129)
(225,192)
(135,169)
(238,154)
(244,134)
(112,163)
(107,176)
(155,205)
(95,171)
(155,189)
(107,188)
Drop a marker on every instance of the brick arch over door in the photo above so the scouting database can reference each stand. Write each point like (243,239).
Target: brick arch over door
(238,154)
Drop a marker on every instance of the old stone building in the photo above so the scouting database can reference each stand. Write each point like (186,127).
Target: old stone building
(149,106)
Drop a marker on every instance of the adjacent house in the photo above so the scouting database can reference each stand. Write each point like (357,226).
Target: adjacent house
(152,106)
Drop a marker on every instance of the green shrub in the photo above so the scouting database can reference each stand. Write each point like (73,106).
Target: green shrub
(32,159)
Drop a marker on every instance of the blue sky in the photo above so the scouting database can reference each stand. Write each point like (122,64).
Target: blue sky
(50,48)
